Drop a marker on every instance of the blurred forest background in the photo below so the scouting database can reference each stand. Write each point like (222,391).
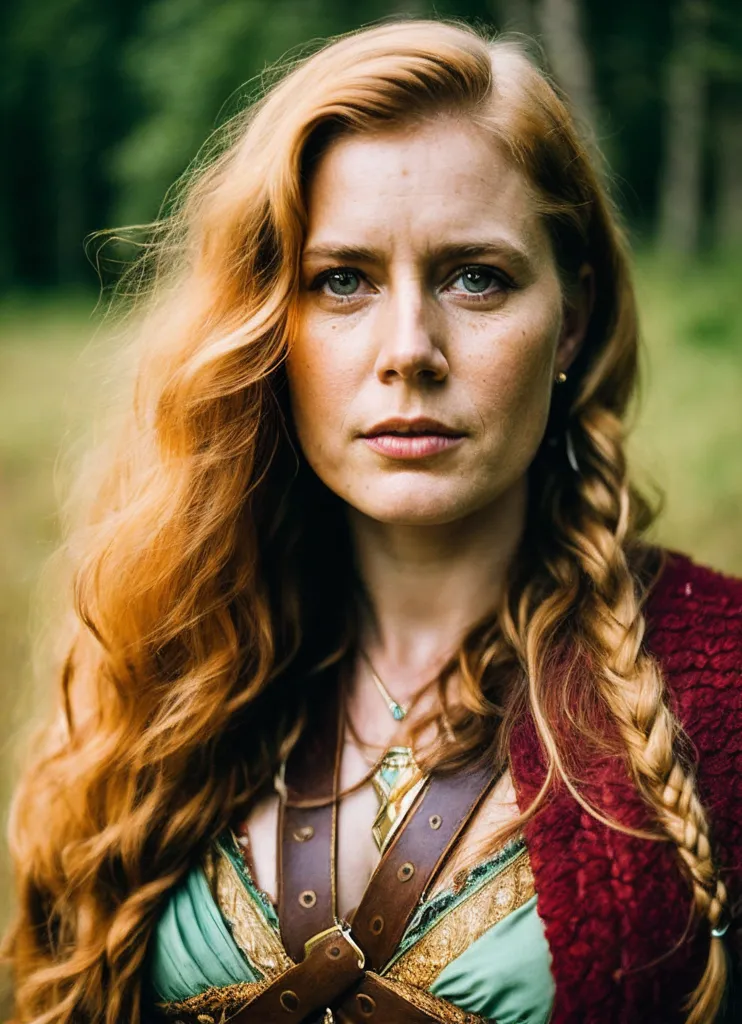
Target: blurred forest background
(104,104)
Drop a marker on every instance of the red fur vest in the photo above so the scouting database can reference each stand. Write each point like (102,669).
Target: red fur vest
(615,908)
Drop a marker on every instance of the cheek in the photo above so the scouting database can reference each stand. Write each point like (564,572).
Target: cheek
(513,381)
(320,386)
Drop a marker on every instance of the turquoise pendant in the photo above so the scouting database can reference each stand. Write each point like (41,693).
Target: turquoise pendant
(397,781)
(398,712)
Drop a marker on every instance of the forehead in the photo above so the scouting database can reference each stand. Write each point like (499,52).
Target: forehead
(444,179)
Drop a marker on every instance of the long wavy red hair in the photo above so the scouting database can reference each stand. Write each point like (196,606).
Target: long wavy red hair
(212,571)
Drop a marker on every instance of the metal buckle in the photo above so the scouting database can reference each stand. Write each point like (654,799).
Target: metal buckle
(342,930)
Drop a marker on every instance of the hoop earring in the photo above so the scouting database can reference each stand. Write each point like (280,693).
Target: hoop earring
(571,455)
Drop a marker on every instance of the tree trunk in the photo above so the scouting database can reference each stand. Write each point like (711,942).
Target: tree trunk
(728,159)
(514,15)
(560,25)
(680,200)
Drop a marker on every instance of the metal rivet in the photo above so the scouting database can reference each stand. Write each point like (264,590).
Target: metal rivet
(289,1001)
(333,952)
(435,821)
(365,1004)
(308,898)
(303,834)
(377,924)
(406,872)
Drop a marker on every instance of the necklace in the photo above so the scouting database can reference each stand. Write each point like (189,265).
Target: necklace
(396,778)
(397,782)
(397,710)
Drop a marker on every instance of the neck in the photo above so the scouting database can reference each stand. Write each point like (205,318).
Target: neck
(427,585)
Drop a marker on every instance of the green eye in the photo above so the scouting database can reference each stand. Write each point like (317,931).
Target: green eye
(343,282)
(476,279)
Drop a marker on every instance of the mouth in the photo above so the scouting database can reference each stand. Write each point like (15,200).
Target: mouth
(419,427)
(412,439)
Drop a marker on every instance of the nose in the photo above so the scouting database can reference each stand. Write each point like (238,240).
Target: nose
(410,338)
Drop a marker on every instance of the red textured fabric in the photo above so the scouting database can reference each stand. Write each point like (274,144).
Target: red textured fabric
(616,909)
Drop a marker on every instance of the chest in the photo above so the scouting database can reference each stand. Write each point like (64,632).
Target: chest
(357,852)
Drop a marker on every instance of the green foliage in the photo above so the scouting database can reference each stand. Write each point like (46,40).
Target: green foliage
(191,72)
(106,104)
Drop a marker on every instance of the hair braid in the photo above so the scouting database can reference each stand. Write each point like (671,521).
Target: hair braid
(630,680)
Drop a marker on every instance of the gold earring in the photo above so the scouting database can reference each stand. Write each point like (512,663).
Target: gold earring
(560,377)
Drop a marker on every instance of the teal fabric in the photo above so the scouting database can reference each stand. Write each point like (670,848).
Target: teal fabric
(503,976)
(193,949)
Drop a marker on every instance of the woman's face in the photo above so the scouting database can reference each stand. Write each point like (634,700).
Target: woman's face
(430,324)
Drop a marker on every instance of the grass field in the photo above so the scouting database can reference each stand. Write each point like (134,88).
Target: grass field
(688,439)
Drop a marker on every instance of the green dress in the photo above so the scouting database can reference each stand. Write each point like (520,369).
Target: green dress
(476,951)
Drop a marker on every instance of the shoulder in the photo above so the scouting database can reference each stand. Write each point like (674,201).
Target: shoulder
(694,623)
(681,579)
(694,630)
(694,618)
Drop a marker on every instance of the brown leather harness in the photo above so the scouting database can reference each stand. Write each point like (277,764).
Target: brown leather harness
(337,963)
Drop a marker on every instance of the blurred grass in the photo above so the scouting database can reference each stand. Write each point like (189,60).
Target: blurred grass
(43,401)
(688,435)
(688,439)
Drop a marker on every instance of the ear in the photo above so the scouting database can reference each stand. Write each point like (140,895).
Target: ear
(576,319)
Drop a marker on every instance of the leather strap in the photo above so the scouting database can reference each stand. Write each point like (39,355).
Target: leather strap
(308,836)
(374,1001)
(336,959)
(307,843)
(333,963)
(334,966)
(301,995)
(412,859)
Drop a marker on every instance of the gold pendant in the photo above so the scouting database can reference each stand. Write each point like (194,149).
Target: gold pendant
(397,782)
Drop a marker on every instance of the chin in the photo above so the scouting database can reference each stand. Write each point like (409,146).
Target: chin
(417,506)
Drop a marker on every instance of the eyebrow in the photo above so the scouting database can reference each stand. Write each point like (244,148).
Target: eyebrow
(446,252)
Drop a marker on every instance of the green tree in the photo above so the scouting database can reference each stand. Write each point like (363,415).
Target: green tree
(195,64)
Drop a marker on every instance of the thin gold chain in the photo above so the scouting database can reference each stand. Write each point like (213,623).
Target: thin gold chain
(398,711)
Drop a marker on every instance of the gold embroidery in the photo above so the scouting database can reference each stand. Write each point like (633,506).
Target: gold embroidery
(250,930)
(217,1004)
(439,1009)
(457,930)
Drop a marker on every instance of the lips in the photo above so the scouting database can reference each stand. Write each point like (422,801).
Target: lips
(409,439)
(421,426)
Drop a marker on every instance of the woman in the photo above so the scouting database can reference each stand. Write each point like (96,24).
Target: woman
(378,707)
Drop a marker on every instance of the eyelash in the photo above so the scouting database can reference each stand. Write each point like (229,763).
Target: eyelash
(503,279)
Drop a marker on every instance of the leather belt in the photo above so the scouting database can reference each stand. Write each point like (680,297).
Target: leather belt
(307,836)
(336,962)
